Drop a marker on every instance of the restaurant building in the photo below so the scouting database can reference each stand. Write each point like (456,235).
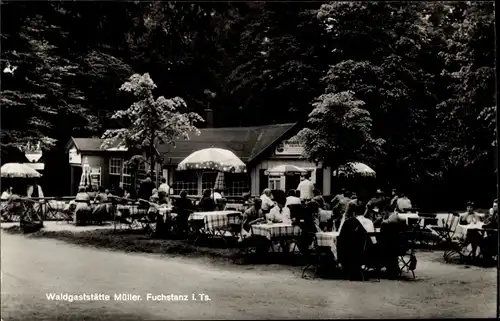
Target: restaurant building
(107,167)
(259,147)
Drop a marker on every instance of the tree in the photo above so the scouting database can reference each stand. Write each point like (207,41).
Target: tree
(149,121)
(339,131)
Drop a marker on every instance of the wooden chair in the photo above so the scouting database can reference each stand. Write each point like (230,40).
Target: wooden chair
(406,252)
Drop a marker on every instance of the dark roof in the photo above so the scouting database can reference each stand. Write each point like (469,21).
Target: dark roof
(87,144)
(246,142)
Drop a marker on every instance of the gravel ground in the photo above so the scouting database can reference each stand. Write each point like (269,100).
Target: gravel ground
(32,266)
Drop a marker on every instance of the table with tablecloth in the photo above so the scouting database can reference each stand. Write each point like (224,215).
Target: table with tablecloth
(214,220)
(328,239)
(276,230)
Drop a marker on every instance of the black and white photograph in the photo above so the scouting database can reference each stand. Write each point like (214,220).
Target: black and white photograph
(238,160)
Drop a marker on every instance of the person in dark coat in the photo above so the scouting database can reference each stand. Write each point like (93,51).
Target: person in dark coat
(350,247)
(207,203)
(146,188)
(183,207)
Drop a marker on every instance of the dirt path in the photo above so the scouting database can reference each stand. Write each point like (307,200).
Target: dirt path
(33,267)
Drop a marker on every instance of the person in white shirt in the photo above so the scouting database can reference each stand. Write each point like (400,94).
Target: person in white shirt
(6,194)
(306,188)
(267,202)
(403,203)
(292,198)
(216,195)
(163,191)
(279,214)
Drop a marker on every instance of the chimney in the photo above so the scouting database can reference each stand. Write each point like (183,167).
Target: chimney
(209,118)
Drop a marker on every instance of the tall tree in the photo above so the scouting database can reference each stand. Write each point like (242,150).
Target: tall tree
(149,121)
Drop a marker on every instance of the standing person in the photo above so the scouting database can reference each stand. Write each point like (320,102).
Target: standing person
(306,188)
(163,191)
(34,190)
(267,202)
(338,197)
(146,188)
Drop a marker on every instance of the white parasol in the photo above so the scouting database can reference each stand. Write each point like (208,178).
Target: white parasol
(355,168)
(217,159)
(285,170)
(18,170)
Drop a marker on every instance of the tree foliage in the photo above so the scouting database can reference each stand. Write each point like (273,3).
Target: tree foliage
(424,72)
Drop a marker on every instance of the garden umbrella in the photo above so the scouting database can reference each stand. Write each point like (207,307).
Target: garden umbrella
(217,159)
(285,170)
(18,170)
(355,168)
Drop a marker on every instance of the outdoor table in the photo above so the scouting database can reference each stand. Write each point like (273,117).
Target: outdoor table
(215,221)
(328,239)
(277,232)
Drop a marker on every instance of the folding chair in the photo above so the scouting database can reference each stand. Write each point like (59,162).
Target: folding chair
(406,252)
(250,244)
(234,227)
(196,229)
(447,231)
(457,249)
(371,258)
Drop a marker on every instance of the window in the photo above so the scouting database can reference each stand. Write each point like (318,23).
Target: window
(127,181)
(115,166)
(186,180)
(275,182)
(127,169)
(236,184)
(208,180)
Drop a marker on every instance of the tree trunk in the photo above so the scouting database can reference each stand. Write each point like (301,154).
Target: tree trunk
(151,148)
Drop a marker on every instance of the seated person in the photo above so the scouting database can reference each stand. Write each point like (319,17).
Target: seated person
(390,242)
(267,202)
(292,199)
(492,220)
(82,210)
(318,198)
(207,203)
(253,215)
(403,203)
(470,216)
(155,198)
(339,207)
(354,207)
(279,213)
(183,207)
(216,195)
(350,246)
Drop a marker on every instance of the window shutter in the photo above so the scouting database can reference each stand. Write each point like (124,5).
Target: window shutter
(263,181)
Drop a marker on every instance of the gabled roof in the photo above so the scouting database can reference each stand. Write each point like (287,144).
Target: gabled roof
(90,145)
(246,142)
